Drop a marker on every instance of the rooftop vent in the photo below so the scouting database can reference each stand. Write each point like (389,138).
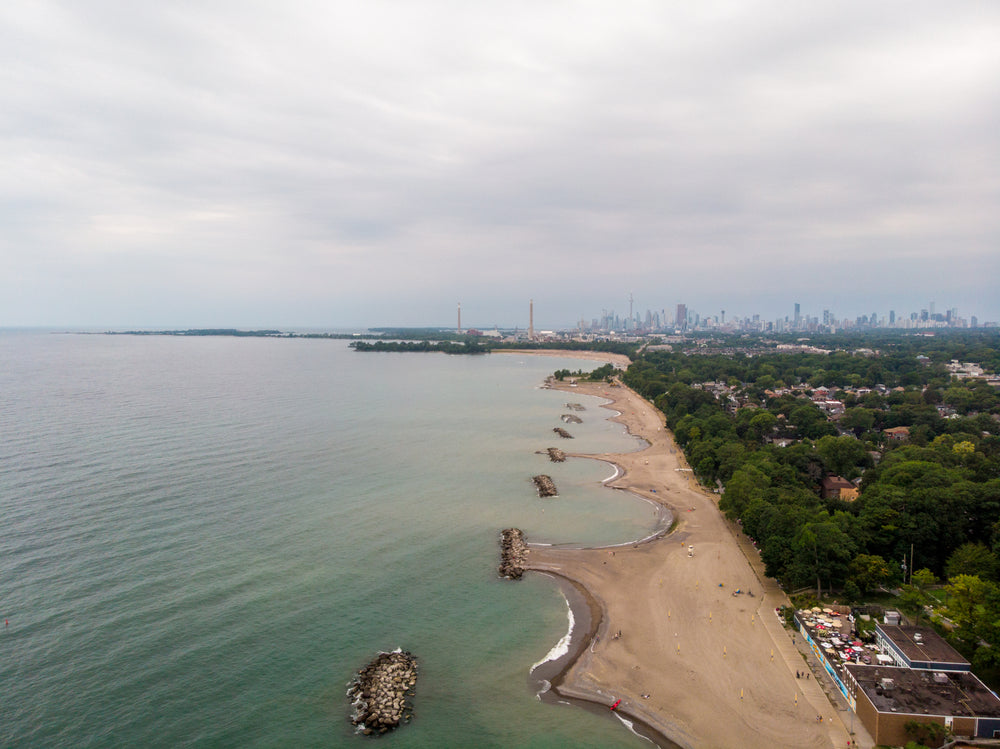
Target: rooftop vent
(886,685)
(940,677)
(917,637)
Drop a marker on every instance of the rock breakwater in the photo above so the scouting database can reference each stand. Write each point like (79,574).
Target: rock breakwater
(513,549)
(545,485)
(556,455)
(379,692)
(563,433)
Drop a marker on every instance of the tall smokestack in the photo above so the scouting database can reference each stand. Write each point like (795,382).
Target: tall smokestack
(460,318)
(531,319)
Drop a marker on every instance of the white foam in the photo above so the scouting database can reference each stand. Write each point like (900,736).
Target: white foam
(631,727)
(614,475)
(562,647)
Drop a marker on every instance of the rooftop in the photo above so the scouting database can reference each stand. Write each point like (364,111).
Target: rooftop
(922,644)
(955,693)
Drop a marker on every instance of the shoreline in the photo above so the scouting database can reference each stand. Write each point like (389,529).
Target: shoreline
(697,664)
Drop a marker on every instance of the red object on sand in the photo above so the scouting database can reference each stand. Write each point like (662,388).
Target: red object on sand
(615,706)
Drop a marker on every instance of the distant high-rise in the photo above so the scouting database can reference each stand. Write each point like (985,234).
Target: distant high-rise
(531,319)
(798,314)
(682,316)
(460,318)
(892,317)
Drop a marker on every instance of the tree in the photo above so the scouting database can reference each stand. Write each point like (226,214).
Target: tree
(860,420)
(967,596)
(762,424)
(822,550)
(973,559)
(922,579)
(868,571)
(841,455)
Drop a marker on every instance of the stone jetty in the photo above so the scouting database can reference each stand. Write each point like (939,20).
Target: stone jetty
(379,692)
(563,433)
(545,485)
(512,552)
(556,455)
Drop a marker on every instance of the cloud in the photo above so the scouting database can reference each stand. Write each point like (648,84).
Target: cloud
(308,164)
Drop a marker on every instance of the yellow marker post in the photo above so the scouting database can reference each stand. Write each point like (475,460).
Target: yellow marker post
(723,651)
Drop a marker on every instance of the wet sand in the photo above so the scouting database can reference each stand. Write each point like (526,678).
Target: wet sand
(694,662)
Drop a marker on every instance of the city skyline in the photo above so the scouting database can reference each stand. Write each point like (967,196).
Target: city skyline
(684,317)
(343,164)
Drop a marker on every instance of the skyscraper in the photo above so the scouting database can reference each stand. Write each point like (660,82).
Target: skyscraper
(798,315)
(682,316)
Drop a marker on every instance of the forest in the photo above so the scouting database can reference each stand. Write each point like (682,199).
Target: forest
(896,421)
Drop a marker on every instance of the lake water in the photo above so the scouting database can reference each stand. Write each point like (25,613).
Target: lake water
(204,538)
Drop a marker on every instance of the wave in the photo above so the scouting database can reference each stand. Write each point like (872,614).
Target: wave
(631,727)
(614,475)
(562,647)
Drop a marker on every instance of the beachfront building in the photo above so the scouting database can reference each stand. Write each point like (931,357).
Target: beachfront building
(918,648)
(887,699)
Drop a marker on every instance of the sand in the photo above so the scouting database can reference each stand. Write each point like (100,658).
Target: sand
(696,663)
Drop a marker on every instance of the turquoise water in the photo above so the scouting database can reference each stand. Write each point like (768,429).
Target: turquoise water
(203,538)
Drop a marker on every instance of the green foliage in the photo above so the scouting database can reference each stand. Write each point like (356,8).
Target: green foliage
(923,579)
(868,571)
(933,493)
(972,559)
(927,733)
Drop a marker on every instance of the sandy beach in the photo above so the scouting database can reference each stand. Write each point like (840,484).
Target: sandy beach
(696,661)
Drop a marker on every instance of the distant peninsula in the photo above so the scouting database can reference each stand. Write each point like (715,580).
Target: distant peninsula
(236,333)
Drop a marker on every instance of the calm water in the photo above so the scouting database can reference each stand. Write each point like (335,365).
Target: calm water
(203,538)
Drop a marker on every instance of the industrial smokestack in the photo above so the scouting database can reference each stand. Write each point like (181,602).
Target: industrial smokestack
(460,318)
(531,319)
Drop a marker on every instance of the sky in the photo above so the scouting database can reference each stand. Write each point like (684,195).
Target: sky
(336,164)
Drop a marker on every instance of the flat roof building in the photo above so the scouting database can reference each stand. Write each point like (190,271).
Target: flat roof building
(919,647)
(888,698)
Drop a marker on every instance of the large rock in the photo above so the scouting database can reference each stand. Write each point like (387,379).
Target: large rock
(545,485)
(379,691)
(512,552)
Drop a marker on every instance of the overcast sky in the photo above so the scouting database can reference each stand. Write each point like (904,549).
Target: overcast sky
(338,164)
